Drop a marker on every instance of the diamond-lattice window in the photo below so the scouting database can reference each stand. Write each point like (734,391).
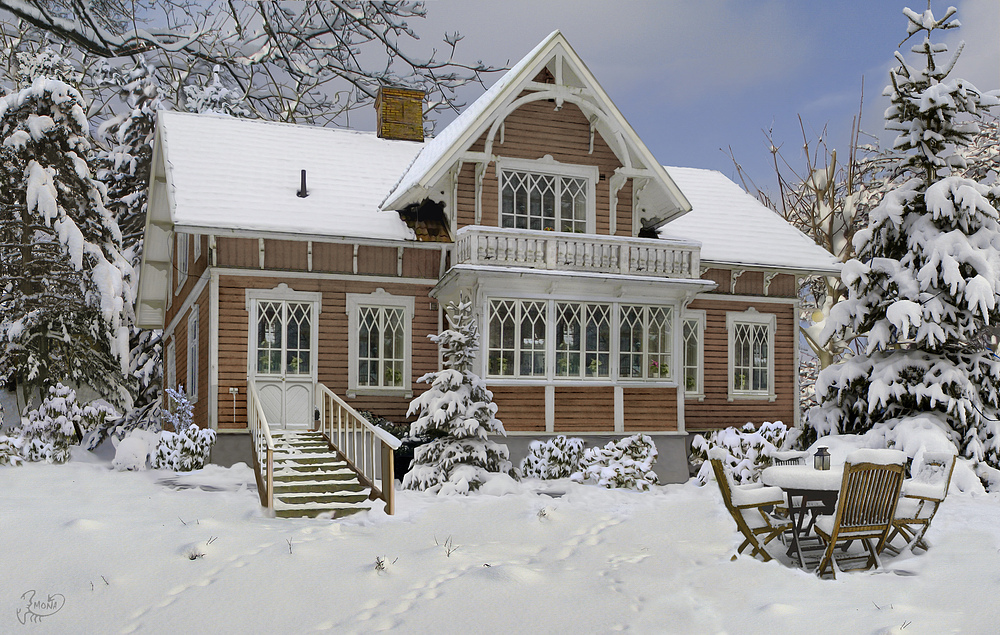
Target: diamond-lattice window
(543,201)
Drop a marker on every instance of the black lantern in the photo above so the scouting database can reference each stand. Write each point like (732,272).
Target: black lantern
(821,460)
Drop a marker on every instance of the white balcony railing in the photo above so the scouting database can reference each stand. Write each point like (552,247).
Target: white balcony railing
(553,251)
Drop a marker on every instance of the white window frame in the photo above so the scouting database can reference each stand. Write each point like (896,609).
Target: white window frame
(182,261)
(551,376)
(378,299)
(550,167)
(192,355)
(698,317)
(171,364)
(196,239)
(547,352)
(672,370)
(753,318)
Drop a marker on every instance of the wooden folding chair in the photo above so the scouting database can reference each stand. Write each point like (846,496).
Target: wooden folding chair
(919,501)
(748,506)
(865,507)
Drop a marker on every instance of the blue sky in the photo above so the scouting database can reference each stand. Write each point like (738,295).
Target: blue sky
(694,78)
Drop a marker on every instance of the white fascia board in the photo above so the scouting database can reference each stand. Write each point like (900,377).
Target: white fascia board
(758,266)
(152,292)
(232,232)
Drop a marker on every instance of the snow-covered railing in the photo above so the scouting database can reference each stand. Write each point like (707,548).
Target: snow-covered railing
(359,443)
(263,445)
(554,251)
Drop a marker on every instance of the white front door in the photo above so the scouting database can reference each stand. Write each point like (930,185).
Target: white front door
(283,361)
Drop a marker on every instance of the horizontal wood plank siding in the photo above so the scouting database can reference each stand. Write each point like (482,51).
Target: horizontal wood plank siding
(532,131)
(623,218)
(286,254)
(520,408)
(649,409)
(333,341)
(716,411)
(584,409)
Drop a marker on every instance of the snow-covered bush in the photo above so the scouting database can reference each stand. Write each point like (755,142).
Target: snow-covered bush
(184,451)
(748,449)
(460,408)
(135,450)
(624,464)
(47,432)
(9,451)
(556,458)
(182,414)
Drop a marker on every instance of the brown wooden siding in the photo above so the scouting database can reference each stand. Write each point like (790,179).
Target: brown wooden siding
(333,341)
(532,131)
(584,409)
(719,277)
(333,257)
(520,408)
(649,409)
(783,285)
(421,263)
(286,254)
(624,215)
(201,406)
(377,260)
(238,252)
(750,283)
(716,411)
(195,269)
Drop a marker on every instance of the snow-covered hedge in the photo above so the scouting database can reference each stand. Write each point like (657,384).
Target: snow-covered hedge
(9,454)
(47,432)
(556,458)
(625,464)
(748,449)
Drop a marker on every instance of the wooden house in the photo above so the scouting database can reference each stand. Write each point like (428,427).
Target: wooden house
(614,295)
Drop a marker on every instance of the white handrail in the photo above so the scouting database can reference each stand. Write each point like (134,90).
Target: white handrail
(359,442)
(263,444)
(560,251)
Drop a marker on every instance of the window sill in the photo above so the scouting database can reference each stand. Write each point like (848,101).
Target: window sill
(750,397)
(379,392)
(691,396)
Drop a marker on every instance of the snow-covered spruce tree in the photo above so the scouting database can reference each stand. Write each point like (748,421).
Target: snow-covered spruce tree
(123,165)
(65,299)
(215,98)
(925,281)
(459,407)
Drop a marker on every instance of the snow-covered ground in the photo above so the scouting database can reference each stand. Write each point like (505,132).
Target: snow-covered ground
(111,552)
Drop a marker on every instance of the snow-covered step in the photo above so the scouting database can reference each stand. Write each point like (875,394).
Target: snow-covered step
(310,479)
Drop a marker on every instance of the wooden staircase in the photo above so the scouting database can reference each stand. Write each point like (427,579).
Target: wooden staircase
(311,479)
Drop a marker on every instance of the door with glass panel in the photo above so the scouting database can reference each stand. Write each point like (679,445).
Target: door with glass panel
(284,361)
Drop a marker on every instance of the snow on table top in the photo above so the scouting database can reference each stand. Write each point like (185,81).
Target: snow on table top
(240,174)
(803,477)
(876,457)
(734,228)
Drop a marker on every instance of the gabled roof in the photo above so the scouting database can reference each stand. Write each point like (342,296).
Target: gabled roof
(735,229)
(440,153)
(242,175)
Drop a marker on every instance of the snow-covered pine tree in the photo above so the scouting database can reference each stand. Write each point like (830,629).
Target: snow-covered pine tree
(124,166)
(65,298)
(925,281)
(460,411)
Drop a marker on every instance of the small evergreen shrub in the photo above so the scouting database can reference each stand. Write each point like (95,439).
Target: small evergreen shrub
(188,447)
(184,451)
(748,450)
(625,464)
(9,454)
(556,458)
(49,431)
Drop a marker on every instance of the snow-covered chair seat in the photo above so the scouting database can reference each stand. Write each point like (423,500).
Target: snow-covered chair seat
(865,507)
(921,497)
(749,505)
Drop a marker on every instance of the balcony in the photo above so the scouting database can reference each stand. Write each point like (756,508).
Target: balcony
(552,251)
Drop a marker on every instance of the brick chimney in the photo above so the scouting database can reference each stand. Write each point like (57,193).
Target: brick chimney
(400,113)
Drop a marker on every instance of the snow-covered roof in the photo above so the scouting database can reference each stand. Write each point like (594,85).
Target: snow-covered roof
(735,229)
(234,174)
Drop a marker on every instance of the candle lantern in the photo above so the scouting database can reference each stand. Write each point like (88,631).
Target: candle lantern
(821,460)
